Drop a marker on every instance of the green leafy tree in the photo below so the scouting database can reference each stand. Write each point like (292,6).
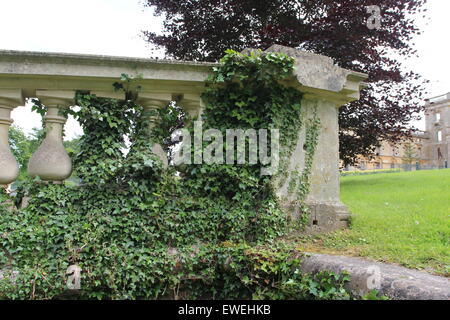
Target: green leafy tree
(410,154)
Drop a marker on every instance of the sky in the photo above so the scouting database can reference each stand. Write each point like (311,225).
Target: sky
(113,27)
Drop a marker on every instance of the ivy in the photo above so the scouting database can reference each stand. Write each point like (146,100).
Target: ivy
(138,231)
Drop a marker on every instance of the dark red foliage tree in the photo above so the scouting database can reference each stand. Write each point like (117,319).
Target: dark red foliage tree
(204,29)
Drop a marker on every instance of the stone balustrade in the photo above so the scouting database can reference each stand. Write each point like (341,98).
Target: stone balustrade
(54,79)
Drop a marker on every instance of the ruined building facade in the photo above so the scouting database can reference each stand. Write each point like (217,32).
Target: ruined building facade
(436,147)
(429,149)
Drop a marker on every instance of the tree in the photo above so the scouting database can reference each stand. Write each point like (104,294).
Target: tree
(203,29)
(410,154)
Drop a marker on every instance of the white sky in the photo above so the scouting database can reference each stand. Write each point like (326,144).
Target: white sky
(112,27)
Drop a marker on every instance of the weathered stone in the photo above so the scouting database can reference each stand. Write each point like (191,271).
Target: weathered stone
(25,202)
(326,217)
(315,71)
(192,105)
(436,147)
(395,282)
(51,162)
(326,87)
(73,274)
(9,168)
(61,71)
(151,103)
(8,164)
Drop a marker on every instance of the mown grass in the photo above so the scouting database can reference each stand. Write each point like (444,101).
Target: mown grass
(401,218)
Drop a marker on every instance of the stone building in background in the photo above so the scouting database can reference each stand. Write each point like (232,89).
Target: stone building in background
(429,149)
(437,119)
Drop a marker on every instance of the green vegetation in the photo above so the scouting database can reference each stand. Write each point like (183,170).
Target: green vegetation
(401,218)
(366,172)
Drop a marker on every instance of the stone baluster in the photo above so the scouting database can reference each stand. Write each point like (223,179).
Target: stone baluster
(9,169)
(192,104)
(151,102)
(51,162)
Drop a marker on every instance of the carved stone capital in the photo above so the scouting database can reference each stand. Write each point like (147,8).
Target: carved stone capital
(56,98)
(151,101)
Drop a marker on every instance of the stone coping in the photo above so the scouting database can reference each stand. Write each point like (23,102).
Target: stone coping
(397,283)
(315,75)
(19,55)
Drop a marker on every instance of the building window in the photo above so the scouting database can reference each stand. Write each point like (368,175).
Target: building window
(438,117)
(439,136)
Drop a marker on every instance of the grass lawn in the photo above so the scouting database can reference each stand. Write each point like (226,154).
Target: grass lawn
(401,218)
